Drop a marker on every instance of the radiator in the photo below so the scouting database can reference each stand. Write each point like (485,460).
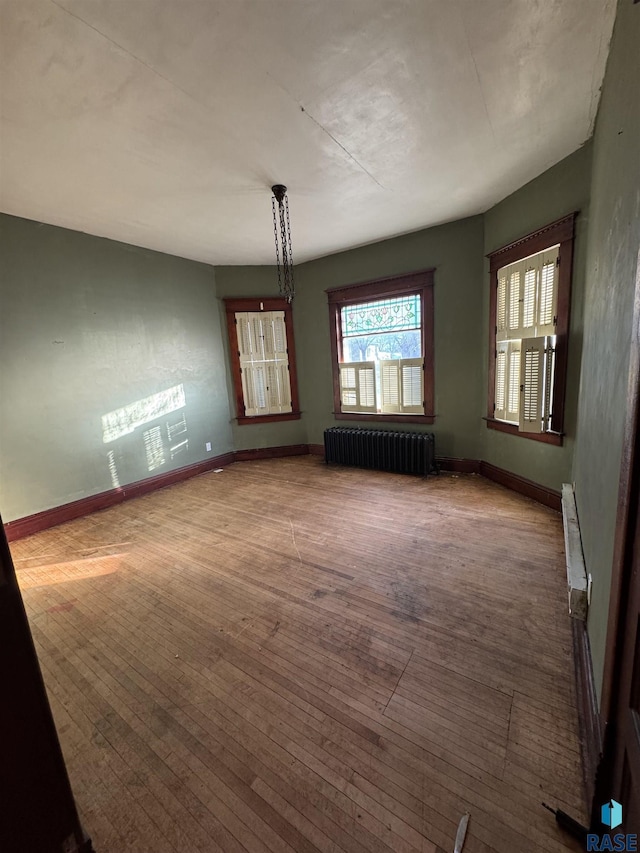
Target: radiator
(401,452)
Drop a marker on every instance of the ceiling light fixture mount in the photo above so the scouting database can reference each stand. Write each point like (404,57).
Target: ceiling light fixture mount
(282,235)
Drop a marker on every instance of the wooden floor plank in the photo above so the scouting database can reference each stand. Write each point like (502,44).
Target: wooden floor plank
(294,657)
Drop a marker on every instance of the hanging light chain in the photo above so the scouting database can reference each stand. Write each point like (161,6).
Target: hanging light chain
(283,241)
(286,202)
(275,237)
(286,269)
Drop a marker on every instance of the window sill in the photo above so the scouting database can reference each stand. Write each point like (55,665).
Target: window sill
(393,418)
(267,419)
(546,437)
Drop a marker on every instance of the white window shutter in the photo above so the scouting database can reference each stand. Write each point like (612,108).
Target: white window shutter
(501,381)
(268,343)
(514,300)
(502,332)
(246,355)
(285,387)
(513,381)
(412,386)
(390,385)
(274,335)
(531,274)
(273,387)
(532,373)
(279,335)
(348,387)
(367,387)
(257,335)
(260,387)
(358,386)
(254,390)
(264,362)
(249,333)
(244,333)
(548,293)
(278,390)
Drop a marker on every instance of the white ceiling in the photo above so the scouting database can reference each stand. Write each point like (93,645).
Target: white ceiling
(164,123)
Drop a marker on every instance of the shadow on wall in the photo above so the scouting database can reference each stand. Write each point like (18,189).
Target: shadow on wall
(146,435)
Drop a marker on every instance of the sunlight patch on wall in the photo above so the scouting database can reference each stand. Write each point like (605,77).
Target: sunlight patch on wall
(154,448)
(177,428)
(179,449)
(124,421)
(115,480)
(175,433)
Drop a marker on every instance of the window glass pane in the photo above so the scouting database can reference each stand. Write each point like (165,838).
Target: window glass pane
(383,315)
(381,346)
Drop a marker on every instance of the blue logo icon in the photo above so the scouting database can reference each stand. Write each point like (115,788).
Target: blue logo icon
(611,814)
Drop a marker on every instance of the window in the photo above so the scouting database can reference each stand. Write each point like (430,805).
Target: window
(382,349)
(529,316)
(262,359)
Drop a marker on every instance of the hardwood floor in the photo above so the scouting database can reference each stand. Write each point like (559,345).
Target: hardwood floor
(287,656)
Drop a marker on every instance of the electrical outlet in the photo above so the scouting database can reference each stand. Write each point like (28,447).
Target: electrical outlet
(208,447)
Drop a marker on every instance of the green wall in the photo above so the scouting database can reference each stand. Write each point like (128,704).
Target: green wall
(560,190)
(455,250)
(613,242)
(89,326)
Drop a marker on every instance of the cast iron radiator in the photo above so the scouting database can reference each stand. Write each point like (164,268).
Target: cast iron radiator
(400,452)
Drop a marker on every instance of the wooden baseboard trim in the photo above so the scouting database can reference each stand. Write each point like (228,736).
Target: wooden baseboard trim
(30,524)
(461,466)
(22,527)
(541,494)
(587,703)
(271,452)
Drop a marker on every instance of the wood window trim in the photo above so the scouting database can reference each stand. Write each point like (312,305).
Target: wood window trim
(562,231)
(512,429)
(420,282)
(396,417)
(261,303)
